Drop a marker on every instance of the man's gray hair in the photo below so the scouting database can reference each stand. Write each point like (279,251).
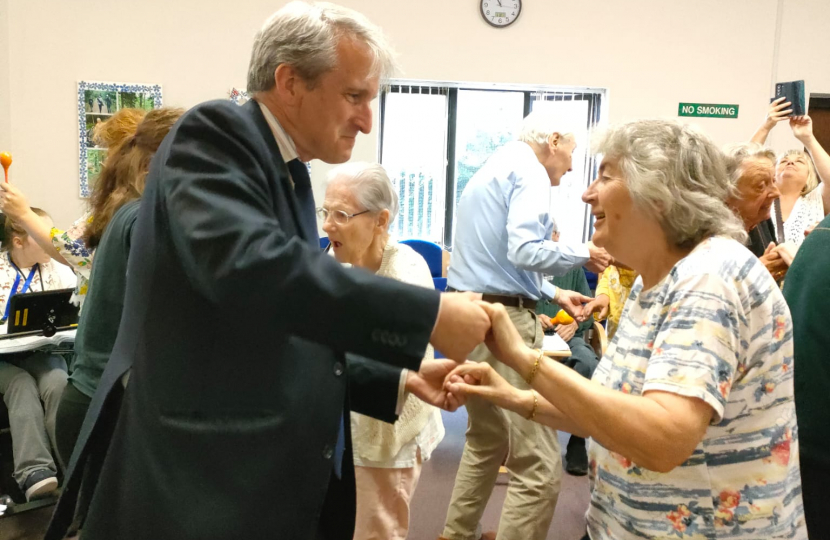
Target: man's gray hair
(369,184)
(306,36)
(539,125)
(678,175)
(740,153)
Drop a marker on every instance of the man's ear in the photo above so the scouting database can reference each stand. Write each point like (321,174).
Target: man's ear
(553,142)
(286,80)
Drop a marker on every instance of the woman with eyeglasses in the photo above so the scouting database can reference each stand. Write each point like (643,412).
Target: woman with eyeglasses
(360,204)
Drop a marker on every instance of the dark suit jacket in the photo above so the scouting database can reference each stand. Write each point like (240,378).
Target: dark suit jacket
(238,384)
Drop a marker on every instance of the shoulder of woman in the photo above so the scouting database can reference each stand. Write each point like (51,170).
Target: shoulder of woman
(407,264)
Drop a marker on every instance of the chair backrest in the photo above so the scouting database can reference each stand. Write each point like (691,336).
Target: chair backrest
(431,252)
(324,242)
(599,339)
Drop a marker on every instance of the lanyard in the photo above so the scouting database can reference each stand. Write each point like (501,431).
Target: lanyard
(25,288)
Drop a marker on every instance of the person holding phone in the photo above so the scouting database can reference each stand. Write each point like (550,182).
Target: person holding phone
(799,175)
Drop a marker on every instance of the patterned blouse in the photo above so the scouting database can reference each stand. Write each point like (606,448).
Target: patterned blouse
(807,211)
(71,246)
(718,329)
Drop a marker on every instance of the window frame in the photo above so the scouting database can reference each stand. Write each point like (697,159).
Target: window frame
(597,113)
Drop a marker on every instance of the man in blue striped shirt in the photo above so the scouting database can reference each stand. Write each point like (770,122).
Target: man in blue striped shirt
(502,248)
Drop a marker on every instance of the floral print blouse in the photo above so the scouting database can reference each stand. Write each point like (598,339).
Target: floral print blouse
(717,329)
(71,246)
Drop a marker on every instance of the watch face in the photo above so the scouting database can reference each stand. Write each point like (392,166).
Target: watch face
(501,13)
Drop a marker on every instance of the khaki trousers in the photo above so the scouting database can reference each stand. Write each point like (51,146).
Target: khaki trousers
(534,462)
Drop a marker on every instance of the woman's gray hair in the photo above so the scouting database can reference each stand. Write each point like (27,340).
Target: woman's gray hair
(370,185)
(812,175)
(306,36)
(678,175)
(738,154)
(539,125)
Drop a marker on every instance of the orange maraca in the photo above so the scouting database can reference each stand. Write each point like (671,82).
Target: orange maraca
(6,162)
(562,318)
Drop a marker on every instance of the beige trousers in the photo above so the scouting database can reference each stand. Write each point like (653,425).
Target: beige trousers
(383,497)
(533,461)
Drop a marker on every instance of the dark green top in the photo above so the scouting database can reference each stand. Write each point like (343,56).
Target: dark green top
(574,280)
(807,290)
(104,302)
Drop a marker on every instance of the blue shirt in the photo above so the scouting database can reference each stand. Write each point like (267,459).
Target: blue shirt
(502,237)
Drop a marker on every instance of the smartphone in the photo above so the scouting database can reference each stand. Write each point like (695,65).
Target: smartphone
(793,91)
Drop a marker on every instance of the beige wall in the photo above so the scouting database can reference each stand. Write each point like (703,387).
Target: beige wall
(5,121)
(650,54)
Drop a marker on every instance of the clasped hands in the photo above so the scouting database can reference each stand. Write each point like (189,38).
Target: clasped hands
(464,321)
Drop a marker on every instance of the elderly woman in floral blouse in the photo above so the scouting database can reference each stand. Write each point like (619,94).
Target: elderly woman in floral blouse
(691,409)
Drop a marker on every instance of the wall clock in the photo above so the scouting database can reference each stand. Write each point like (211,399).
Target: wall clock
(500,13)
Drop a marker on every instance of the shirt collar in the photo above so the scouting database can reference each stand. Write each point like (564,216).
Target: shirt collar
(288,150)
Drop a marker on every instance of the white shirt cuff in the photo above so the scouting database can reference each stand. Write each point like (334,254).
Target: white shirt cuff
(401,392)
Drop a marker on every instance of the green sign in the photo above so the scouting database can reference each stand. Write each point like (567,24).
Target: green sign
(707,110)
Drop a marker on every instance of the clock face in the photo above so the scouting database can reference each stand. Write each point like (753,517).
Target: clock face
(501,13)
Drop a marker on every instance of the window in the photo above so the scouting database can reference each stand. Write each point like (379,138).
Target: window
(435,137)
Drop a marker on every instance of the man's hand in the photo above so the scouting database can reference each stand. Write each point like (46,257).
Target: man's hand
(545,321)
(597,305)
(567,331)
(600,259)
(571,302)
(504,340)
(461,325)
(802,127)
(427,384)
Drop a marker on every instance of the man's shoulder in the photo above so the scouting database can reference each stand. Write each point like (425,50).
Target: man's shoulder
(217,110)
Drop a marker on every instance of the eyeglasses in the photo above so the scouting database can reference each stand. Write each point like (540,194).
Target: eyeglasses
(338,216)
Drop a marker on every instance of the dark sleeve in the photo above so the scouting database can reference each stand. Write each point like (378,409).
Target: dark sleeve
(583,288)
(220,204)
(373,388)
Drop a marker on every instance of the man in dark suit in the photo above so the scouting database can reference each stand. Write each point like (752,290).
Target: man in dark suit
(241,336)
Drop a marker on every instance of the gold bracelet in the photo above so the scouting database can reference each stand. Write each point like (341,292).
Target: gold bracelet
(533,371)
(535,405)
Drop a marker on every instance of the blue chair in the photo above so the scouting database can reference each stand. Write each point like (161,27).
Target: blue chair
(324,242)
(433,255)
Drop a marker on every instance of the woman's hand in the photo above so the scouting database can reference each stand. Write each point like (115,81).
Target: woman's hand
(775,264)
(802,127)
(427,384)
(481,380)
(545,321)
(12,201)
(778,111)
(598,305)
(786,252)
(504,340)
(567,331)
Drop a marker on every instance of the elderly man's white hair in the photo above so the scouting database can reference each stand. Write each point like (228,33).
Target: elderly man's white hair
(369,184)
(305,36)
(539,125)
